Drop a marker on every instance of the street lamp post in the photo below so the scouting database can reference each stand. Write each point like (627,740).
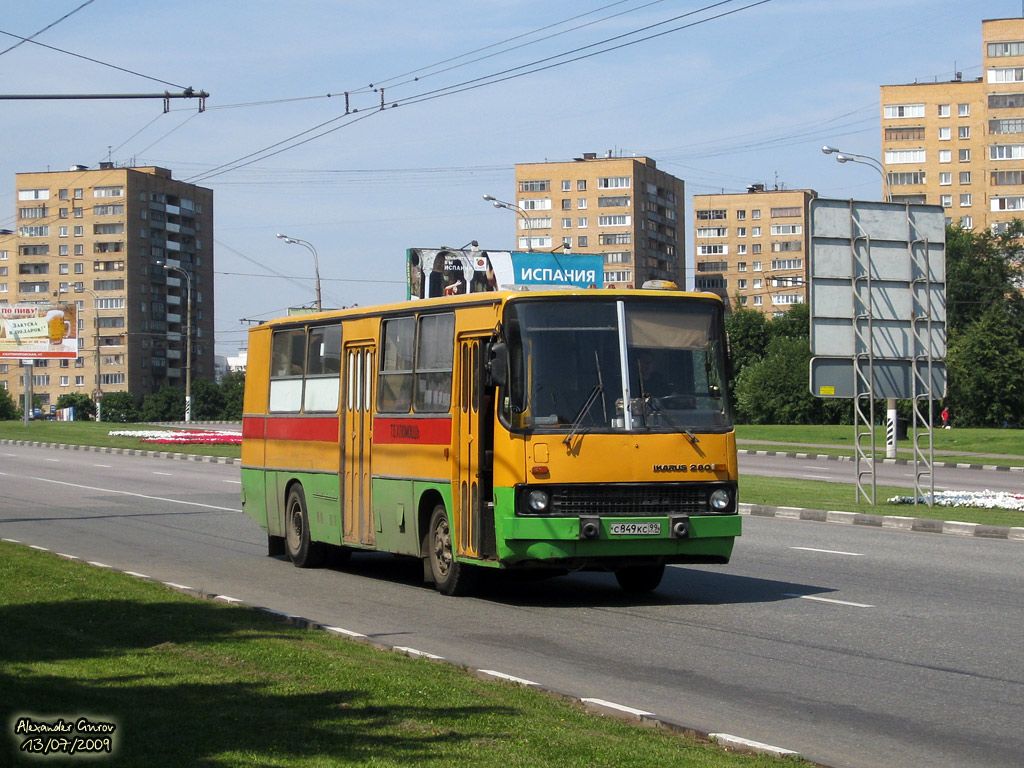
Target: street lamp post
(515,209)
(853,157)
(188,337)
(316,263)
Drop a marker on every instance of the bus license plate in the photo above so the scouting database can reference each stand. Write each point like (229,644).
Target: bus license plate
(635,529)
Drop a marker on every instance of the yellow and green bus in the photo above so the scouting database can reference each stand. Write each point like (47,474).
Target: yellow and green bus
(561,430)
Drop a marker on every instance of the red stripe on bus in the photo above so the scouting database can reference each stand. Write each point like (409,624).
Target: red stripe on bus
(388,431)
(323,429)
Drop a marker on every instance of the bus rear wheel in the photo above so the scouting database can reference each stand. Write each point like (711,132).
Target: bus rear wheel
(640,578)
(303,552)
(450,576)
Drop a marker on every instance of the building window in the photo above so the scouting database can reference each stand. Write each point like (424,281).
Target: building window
(963,132)
(741,231)
(945,155)
(946,201)
(1005,100)
(712,232)
(741,283)
(613,182)
(787,263)
(741,250)
(788,298)
(967,222)
(908,133)
(906,178)
(1007,125)
(786,245)
(535,186)
(581,203)
(741,215)
(581,241)
(756,266)
(903,110)
(755,231)
(963,110)
(615,238)
(755,213)
(997,50)
(965,177)
(1005,75)
(944,110)
(566,185)
(755,249)
(1004,178)
(757,283)
(712,250)
(945,178)
(897,156)
(741,266)
(965,200)
(1006,152)
(567,222)
(787,229)
(566,204)
(711,214)
(537,204)
(581,185)
(945,133)
(581,222)
(614,220)
(964,155)
(786,212)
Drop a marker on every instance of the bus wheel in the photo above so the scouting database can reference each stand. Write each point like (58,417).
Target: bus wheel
(450,576)
(640,578)
(301,551)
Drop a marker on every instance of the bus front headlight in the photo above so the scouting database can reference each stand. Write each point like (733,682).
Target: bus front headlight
(719,500)
(538,501)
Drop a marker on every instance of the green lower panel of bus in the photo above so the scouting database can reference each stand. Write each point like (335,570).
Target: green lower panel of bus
(263,500)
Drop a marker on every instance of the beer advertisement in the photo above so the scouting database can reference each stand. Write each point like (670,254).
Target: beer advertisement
(38,332)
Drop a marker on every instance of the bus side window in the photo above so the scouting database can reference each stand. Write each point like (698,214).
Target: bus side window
(288,357)
(434,354)
(394,388)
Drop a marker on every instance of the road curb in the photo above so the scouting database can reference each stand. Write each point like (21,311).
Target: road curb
(890,522)
(596,706)
(897,462)
(128,452)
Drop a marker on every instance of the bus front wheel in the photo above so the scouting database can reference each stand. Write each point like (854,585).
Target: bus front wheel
(303,552)
(450,576)
(640,578)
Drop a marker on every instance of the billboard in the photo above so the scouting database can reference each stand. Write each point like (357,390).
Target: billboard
(38,331)
(433,272)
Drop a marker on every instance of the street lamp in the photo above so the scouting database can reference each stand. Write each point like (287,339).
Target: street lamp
(515,209)
(188,337)
(853,157)
(98,393)
(316,262)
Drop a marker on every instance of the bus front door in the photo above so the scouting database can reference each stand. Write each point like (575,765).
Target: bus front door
(467,487)
(358,527)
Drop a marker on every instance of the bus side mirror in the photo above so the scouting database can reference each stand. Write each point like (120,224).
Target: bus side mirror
(497,364)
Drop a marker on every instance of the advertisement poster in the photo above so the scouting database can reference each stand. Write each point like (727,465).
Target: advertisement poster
(38,332)
(434,272)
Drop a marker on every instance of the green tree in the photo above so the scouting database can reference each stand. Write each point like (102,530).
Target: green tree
(166,404)
(119,407)
(749,335)
(775,389)
(207,400)
(8,408)
(985,326)
(232,386)
(84,407)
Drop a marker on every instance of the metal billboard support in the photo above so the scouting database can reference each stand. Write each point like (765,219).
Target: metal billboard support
(923,386)
(863,361)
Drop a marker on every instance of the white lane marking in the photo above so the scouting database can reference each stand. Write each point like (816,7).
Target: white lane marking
(53,461)
(509,678)
(728,740)
(414,652)
(102,466)
(819,477)
(617,707)
(830,551)
(165,474)
(346,632)
(123,493)
(234,482)
(827,600)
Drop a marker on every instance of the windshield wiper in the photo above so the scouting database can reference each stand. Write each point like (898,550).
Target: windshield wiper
(589,403)
(655,405)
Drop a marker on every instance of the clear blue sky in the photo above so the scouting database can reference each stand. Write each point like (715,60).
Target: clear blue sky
(749,97)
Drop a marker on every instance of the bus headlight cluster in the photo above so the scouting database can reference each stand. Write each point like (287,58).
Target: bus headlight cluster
(538,501)
(719,500)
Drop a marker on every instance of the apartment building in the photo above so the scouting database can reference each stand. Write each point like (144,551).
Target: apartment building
(101,238)
(751,248)
(621,207)
(960,144)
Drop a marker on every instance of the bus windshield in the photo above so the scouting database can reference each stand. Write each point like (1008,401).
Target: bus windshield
(638,364)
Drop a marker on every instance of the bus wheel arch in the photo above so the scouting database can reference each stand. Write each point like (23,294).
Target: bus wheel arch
(299,546)
(450,577)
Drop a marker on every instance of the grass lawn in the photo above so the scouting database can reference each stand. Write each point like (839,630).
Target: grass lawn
(189,682)
(91,433)
(1005,442)
(824,495)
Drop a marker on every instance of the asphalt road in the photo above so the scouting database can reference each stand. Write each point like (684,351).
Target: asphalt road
(885,474)
(854,646)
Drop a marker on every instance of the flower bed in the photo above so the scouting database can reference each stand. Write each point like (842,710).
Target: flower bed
(984,499)
(181,436)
